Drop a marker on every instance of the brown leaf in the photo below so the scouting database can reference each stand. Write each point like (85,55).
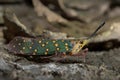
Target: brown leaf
(14,26)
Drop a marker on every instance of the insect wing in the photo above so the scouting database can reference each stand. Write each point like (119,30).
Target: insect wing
(20,45)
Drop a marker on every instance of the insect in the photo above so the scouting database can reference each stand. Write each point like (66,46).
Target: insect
(48,47)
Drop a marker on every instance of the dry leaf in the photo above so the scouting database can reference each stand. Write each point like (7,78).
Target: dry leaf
(14,26)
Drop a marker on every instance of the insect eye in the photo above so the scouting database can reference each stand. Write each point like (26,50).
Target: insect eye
(81,42)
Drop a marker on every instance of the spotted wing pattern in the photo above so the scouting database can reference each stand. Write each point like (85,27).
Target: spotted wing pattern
(31,46)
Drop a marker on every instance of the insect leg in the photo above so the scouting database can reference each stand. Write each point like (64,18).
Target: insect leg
(82,53)
(59,57)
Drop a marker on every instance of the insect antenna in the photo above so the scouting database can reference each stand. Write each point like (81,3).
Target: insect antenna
(94,33)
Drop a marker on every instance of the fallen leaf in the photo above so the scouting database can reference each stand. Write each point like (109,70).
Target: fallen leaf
(14,26)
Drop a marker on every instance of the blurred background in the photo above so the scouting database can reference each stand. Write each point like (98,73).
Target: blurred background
(61,19)
(72,17)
